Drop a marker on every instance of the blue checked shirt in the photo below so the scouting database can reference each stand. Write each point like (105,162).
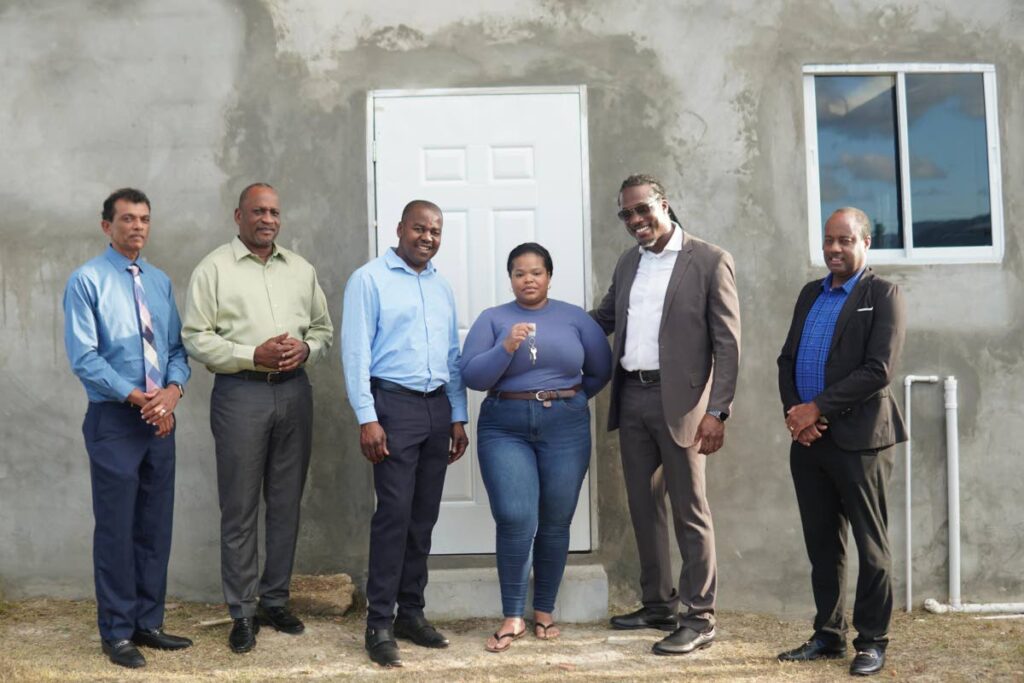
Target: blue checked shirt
(816,339)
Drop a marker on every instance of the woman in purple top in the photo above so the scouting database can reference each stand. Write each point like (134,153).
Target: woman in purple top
(539,361)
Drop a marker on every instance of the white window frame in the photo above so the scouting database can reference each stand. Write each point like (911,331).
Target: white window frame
(909,254)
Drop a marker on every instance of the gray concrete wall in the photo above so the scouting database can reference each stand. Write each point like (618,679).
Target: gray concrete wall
(192,99)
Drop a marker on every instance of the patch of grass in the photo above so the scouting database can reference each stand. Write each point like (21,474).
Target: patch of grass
(56,640)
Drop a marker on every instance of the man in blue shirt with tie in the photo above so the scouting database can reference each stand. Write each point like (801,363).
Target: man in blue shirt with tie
(400,349)
(834,373)
(123,339)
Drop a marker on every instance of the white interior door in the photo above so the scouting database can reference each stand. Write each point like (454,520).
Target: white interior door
(506,166)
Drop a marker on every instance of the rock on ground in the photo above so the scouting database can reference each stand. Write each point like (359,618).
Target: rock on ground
(328,595)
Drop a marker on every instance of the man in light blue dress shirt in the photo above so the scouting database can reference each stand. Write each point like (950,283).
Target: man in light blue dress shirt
(400,349)
(120,325)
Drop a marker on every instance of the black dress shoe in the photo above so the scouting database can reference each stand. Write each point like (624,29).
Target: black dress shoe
(243,634)
(281,619)
(868,661)
(123,653)
(684,640)
(814,649)
(418,630)
(156,638)
(662,618)
(381,645)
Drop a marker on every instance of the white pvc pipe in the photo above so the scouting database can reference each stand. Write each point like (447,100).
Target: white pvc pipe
(953,481)
(953,470)
(908,383)
(973,608)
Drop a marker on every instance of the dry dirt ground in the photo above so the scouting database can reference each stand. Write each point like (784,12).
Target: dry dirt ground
(53,640)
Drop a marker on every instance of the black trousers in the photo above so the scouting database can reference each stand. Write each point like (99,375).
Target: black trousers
(408,483)
(838,490)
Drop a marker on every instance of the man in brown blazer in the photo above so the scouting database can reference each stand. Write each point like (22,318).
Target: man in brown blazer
(834,372)
(673,308)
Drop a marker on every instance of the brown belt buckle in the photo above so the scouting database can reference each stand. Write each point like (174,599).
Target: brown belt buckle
(544,400)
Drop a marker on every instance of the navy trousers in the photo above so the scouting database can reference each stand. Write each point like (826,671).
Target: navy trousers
(133,503)
(409,483)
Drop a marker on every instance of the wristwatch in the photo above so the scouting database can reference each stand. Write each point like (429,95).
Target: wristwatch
(721,415)
(181,389)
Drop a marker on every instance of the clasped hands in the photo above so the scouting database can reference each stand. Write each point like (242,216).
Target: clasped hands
(157,407)
(805,423)
(281,353)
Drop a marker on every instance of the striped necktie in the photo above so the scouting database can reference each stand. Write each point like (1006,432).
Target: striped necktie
(150,361)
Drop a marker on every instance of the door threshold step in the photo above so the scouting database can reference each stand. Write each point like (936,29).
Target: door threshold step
(474,592)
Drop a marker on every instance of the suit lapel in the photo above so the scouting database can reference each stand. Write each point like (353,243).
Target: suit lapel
(683,259)
(853,302)
(627,275)
(807,298)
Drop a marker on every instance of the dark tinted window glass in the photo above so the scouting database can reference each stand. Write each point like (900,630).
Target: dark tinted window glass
(948,160)
(857,151)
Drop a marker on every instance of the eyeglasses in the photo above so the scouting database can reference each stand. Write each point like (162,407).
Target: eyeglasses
(642,210)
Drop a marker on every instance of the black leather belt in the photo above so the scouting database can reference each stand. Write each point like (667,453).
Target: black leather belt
(645,376)
(267,377)
(385,385)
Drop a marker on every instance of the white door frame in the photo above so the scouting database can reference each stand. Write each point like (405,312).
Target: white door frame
(588,293)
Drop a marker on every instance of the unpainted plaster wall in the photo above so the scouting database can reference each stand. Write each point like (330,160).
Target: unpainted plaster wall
(192,99)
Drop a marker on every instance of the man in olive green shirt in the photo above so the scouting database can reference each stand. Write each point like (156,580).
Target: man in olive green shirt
(255,315)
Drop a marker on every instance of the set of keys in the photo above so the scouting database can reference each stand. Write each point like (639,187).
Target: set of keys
(531,343)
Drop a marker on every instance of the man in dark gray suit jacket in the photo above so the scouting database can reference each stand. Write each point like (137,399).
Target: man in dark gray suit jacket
(834,374)
(673,308)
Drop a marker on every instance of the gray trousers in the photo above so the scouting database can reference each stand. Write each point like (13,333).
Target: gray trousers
(653,464)
(263,433)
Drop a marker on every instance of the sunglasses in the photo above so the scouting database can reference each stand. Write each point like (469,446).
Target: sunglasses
(642,210)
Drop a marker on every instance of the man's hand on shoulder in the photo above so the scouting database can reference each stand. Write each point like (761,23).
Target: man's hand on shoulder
(710,434)
(373,442)
(459,442)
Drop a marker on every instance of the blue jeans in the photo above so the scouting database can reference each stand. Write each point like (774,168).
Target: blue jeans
(533,460)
